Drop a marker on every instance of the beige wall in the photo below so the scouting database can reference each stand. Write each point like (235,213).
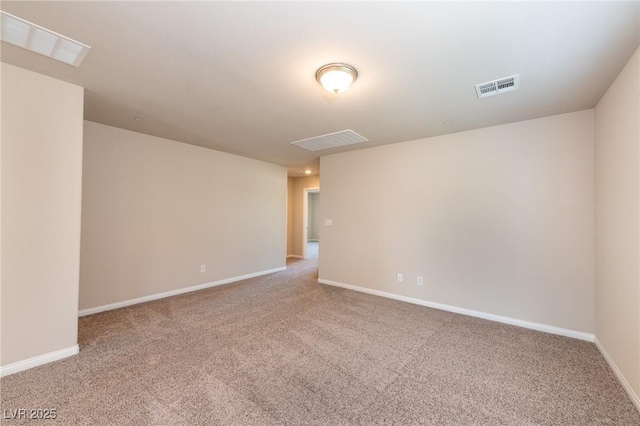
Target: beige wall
(154,210)
(498,220)
(617,136)
(297,234)
(313,226)
(1,68)
(41,188)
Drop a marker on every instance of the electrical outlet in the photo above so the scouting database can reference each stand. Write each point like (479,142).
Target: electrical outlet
(203,268)
(400,278)
(419,281)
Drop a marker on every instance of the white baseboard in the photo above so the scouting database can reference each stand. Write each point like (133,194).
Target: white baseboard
(124,303)
(295,256)
(491,317)
(16,367)
(627,387)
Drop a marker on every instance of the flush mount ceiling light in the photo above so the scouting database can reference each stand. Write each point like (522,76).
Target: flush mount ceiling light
(336,78)
(40,40)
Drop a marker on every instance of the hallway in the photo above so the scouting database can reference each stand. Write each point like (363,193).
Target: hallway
(313,247)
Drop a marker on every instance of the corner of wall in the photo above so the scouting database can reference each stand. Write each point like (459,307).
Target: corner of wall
(41,191)
(617,237)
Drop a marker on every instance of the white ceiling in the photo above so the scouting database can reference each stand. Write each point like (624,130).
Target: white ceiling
(240,77)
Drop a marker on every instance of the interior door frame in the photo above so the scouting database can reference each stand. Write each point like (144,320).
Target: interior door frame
(305,217)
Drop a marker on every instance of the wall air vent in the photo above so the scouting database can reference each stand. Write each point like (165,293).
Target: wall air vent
(331,140)
(498,87)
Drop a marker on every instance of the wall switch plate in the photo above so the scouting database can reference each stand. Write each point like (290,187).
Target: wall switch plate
(400,278)
(328,222)
(203,268)
(419,281)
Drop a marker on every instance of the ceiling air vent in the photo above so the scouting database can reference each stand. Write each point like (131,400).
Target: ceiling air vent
(35,38)
(498,87)
(331,140)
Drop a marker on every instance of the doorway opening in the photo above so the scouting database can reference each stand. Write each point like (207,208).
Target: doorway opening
(311,224)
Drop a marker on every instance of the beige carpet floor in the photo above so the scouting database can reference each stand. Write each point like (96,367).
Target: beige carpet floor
(283,349)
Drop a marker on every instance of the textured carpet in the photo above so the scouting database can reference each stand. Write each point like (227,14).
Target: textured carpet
(283,349)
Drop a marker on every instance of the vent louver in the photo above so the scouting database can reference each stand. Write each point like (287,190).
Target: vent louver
(35,38)
(498,87)
(330,140)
